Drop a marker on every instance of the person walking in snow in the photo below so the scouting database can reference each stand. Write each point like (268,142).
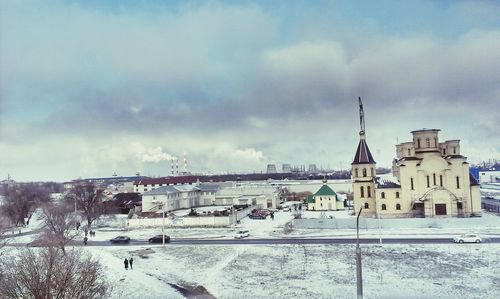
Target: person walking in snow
(85,240)
(131,261)
(125,262)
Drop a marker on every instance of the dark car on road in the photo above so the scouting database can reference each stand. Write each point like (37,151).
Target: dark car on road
(159,239)
(256,216)
(120,239)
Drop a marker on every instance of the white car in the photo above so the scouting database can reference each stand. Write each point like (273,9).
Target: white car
(242,234)
(467,238)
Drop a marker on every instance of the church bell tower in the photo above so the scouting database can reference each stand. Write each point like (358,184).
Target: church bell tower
(363,169)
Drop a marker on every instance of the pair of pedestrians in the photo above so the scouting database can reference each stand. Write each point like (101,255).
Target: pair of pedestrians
(128,262)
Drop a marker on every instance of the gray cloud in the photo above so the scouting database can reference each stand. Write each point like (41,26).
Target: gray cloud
(220,82)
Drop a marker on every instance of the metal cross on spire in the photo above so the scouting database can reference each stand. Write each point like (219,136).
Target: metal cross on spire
(361,117)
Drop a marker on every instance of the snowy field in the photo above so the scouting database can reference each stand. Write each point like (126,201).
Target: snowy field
(296,271)
(305,271)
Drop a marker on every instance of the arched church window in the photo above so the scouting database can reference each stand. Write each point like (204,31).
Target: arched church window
(364,171)
(356,172)
(362,191)
(369,191)
(384,207)
(366,205)
(398,207)
(382,194)
(427,142)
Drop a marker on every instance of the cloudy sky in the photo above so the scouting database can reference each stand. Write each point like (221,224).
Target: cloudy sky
(88,88)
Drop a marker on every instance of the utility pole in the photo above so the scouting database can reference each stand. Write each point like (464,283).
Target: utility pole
(163,222)
(379,224)
(359,272)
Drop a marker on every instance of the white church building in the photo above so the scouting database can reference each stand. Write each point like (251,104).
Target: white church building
(431,179)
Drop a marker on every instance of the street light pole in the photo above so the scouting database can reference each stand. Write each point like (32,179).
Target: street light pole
(163,223)
(76,221)
(359,274)
(379,225)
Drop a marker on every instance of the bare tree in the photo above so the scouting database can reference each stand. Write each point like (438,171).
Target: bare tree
(59,224)
(88,198)
(49,273)
(21,201)
(3,237)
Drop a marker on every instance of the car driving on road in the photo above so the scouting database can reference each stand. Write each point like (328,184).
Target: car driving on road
(242,234)
(159,239)
(120,239)
(468,238)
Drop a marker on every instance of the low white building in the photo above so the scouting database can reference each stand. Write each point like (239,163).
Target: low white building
(187,196)
(325,199)
(489,176)
(263,196)
(165,197)
(178,197)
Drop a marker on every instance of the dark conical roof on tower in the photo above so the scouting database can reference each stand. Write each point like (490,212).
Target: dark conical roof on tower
(363,154)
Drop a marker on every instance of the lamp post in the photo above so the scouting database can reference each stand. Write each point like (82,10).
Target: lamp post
(162,204)
(359,275)
(163,222)
(379,225)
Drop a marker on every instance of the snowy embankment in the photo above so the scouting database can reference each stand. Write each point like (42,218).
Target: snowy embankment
(301,271)
(338,224)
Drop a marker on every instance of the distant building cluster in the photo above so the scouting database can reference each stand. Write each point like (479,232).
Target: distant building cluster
(300,169)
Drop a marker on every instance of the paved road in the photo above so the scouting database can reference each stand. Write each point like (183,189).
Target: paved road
(275,241)
(291,241)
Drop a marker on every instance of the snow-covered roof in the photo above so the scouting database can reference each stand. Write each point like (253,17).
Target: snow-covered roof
(209,187)
(387,182)
(161,190)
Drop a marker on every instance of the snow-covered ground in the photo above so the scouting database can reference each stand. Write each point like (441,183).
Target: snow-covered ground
(298,271)
(305,271)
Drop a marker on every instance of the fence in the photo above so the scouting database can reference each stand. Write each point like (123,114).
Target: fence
(187,221)
(372,223)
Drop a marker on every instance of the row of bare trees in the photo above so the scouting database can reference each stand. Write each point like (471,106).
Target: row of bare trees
(21,201)
(52,271)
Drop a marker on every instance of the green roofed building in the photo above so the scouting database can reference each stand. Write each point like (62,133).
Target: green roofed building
(325,199)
